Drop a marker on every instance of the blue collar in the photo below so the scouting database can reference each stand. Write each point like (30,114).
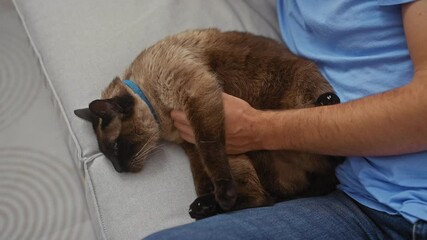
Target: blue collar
(141,94)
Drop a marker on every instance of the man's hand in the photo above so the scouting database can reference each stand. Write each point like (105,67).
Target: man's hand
(239,125)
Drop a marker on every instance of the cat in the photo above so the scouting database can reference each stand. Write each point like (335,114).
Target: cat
(189,71)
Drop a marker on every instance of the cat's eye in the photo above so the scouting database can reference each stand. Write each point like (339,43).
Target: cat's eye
(135,129)
(115,149)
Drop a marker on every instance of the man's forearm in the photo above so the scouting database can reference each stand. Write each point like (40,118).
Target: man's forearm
(391,123)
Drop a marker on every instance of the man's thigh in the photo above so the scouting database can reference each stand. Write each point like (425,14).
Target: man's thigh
(334,216)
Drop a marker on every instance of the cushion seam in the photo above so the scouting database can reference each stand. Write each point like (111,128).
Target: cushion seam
(94,196)
(52,88)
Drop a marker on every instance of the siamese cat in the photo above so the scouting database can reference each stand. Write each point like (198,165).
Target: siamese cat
(189,71)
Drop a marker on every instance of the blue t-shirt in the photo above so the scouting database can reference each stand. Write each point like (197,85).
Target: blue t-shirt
(360,48)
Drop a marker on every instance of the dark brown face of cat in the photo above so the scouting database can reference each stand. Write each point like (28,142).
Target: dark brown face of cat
(124,127)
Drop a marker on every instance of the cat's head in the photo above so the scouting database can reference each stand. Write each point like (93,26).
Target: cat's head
(125,128)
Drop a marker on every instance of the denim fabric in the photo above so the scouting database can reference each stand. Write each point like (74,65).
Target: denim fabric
(335,216)
(419,231)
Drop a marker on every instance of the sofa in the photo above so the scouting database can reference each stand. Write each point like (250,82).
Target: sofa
(80,46)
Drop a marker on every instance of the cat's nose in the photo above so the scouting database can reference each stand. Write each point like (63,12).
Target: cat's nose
(118,169)
(116,166)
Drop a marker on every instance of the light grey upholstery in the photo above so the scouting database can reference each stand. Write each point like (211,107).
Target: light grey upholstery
(41,194)
(81,46)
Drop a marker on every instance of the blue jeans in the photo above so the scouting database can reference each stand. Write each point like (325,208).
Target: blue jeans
(335,216)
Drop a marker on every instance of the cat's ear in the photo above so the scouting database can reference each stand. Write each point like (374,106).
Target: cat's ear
(85,114)
(106,109)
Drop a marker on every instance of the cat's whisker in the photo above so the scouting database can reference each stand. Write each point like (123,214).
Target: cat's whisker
(142,155)
(143,146)
(143,152)
(150,139)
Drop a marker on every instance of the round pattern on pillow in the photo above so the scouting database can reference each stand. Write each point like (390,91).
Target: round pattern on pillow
(20,78)
(40,196)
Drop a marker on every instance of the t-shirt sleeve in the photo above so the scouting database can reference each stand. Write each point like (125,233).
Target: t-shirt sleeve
(393,2)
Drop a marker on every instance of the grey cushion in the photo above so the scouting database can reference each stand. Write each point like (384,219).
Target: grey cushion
(82,45)
(41,193)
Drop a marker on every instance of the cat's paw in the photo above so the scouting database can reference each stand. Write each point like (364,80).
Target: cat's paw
(204,206)
(226,194)
(328,98)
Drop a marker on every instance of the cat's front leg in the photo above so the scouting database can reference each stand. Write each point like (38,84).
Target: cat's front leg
(201,179)
(205,113)
(205,205)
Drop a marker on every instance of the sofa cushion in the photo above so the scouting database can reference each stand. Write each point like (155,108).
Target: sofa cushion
(82,45)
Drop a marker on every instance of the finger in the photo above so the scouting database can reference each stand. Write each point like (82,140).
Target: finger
(232,150)
(179,116)
(188,138)
(228,97)
(183,128)
(237,149)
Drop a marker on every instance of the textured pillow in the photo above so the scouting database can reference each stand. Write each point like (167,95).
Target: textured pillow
(81,46)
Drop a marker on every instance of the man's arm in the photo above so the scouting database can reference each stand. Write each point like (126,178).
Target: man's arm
(394,122)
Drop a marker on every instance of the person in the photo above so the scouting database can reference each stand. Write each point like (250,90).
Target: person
(374,54)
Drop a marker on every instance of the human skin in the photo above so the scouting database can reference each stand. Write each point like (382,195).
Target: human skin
(390,123)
